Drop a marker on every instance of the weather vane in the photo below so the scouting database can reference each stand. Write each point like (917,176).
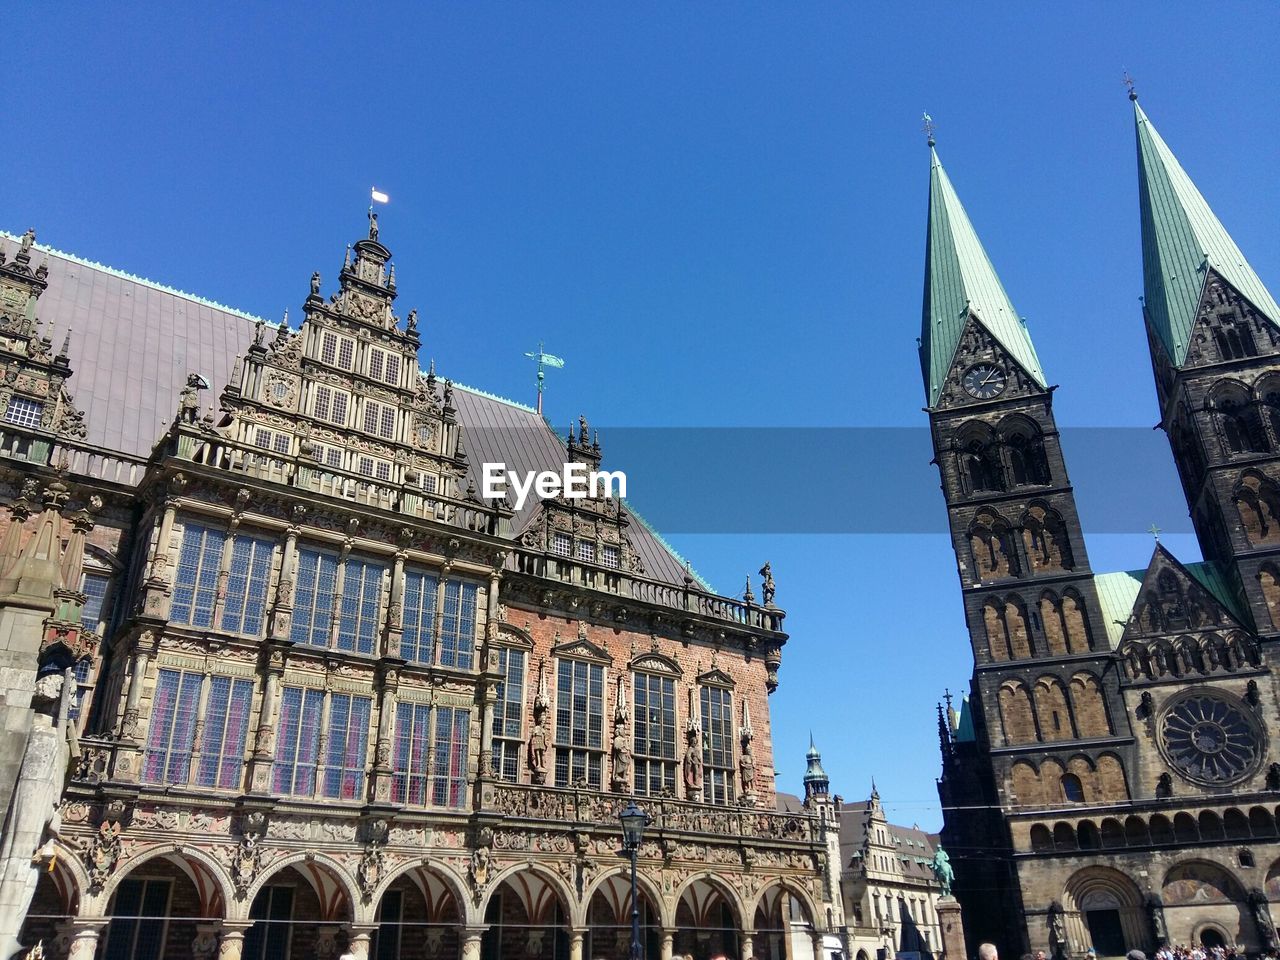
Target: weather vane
(1155,532)
(928,128)
(544,360)
(1128,82)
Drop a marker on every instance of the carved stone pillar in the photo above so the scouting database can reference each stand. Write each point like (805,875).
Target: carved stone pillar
(83,935)
(264,739)
(358,941)
(206,945)
(327,942)
(282,615)
(231,943)
(575,944)
(383,773)
(471,939)
(817,944)
(668,945)
(747,947)
(395,609)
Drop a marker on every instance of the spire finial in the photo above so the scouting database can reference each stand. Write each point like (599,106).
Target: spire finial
(928,129)
(1128,82)
(1155,532)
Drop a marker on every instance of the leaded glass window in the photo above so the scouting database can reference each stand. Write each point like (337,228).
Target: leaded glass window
(410,753)
(458,626)
(314,597)
(655,734)
(417,640)
(359,623)
(171,727)
(226,726)
(717,745)
(94,615)
(579,723)
(348,746)
(137,928)
(195,587)
(24,412)
(449,776)
(245,607)
(508,714)
(268,938)
(297,741)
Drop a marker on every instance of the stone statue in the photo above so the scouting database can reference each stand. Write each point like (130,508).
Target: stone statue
(411,323)
(480,868)
(747,768)
(538,750)
(1058,932)
(315,284)
(28,238)
(942,872)
(768,588)
(1155,910)
(189,399)
(373,225)
(621,763)
(1262,919)
(693,764)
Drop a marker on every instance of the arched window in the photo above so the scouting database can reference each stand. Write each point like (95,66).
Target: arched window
(980,458)
(1027,462)
(1045,537)
(989,540)
(1072,788)
(1238,420)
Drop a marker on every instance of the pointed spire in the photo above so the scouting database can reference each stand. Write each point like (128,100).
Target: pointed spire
(816,782)
(1181,240)
(959,280)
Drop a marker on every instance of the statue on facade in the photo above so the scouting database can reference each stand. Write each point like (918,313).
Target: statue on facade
(189,398)
(1058,932)
(315,284)
(373,225)
(747,769)
(767,588)
(1155,912)
(621,739)
(411,322)
(539,741)
(1262,919)
(942,872)
(693,763)
(24,245)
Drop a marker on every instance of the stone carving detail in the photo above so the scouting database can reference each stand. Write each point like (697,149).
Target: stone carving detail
(102,854)
(539,739)
(372,869)
(621,740)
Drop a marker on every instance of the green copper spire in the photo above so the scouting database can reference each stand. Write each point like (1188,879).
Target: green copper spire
(958,281)
(1181,239)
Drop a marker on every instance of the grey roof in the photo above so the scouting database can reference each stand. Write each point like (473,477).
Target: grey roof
(910,843)
(134,342)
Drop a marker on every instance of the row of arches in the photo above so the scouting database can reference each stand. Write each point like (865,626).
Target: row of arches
(1174,604)
(1257,500)
(1050,709)
(1184,656)
(1039,544)
(1136,831)
(1246,419)
(1009,455)
(1061,618)
(1080,780)
(307,903)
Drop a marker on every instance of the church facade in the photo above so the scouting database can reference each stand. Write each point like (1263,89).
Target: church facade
(322,697)
(1110,781)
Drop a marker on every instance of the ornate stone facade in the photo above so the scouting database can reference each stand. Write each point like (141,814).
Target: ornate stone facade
(344,703)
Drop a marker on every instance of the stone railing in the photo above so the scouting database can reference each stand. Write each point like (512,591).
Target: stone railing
(589,808)
(80,459)
(689,598)
(204,446)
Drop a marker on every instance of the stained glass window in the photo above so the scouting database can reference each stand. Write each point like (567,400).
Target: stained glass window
(579,723)
(245,607)
(297,741)
(226,726)
(655,734)
(171,728)
(348,746)
(508,714)
(195,587)
(717,745)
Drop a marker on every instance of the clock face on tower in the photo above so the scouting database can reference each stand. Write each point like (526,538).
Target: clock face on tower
(984,381)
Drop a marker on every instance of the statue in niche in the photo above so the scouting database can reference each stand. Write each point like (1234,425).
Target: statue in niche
(693,763)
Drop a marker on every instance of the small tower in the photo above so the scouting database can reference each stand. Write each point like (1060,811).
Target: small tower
(817,785)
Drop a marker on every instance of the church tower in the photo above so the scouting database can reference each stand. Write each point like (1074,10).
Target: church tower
(1041,688)
(1214,333)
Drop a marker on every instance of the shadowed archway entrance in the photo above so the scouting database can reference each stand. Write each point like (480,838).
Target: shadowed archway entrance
(526,917)
(609,922)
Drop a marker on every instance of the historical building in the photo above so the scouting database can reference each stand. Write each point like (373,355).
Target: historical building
(324,697)
(1111,780)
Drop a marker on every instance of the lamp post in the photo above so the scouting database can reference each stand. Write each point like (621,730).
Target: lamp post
(634,820)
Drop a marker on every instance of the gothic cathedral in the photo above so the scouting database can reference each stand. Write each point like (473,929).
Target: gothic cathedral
(1109,782)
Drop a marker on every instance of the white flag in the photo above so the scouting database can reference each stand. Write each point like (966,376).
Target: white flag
(378,196)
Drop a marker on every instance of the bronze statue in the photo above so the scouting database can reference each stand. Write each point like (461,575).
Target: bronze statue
(373,225)
(942,872)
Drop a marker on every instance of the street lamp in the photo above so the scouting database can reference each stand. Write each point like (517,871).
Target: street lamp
(634,820)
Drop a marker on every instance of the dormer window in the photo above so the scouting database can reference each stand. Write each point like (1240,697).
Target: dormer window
(337,351)
(562,545)
(24,412)
(331,405)
(610,556)
(385,366)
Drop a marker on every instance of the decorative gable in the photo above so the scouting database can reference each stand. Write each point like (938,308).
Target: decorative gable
(1228,327)
(976,346)
(715,677)
(1172,601)
(655,663)
(581,648)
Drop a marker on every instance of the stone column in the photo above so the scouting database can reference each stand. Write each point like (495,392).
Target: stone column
(83,935)
(817,945)
(668,944)
(231,944)
(952,926)
(575,944)
(471,938)
(327,942)
(747,947)
(358,938)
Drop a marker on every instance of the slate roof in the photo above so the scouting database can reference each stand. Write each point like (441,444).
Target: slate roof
(134,341)
(1180,238)
(958,280)
(911,844)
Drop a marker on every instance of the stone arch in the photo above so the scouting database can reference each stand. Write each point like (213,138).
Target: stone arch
(1094,894)
(1022,438)
(555,883)
(1135,832)
(1136,662)
(1269,580)
(215,887)
(1112,833)
(1161,829)
(1238,424)
(444,873)
(1045,538)
(770,901)
(1053,711)
(997,635)
(1111,780)
(1271,885)
(1189,654)
(706,905)
(1064,836)
(1015,620)
(979,458)
(991,543)
(1257,500)
(1026,783)
(606,916)
(1075,623)
(328,878)
(1041,838)
(57,897)
(647,889)
(1200,881)
(1261,822)
(1185,829)
(524,907)
(1088,836)
(1055,630)
(1210,826)
(1088,707)
(1235,824)
(1016,714)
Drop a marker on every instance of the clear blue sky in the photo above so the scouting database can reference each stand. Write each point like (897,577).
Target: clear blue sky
(714,212)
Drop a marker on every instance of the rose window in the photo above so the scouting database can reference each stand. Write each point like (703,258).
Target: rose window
(1209,738)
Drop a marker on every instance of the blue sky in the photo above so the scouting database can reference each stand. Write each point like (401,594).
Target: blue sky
(714,212)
